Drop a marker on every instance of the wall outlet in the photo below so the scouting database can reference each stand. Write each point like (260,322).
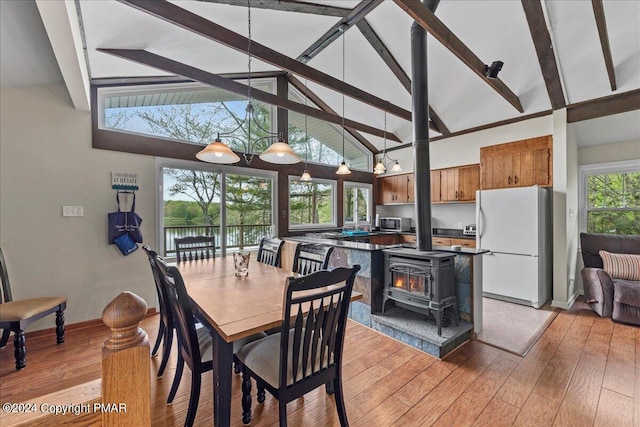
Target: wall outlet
(73,211)
(460,225)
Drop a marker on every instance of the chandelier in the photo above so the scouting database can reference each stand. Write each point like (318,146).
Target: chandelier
(343,169)
(279,152)
(385,160)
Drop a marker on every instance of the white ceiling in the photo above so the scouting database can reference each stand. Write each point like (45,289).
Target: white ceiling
(493,30)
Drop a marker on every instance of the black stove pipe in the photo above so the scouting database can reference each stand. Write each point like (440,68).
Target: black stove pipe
(420,114)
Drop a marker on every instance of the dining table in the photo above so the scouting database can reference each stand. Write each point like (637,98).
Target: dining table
(231,308)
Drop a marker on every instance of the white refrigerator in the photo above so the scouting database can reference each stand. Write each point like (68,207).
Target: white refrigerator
(514,224)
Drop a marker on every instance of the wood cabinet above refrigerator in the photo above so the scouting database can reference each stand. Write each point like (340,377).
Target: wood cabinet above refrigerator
(517,164)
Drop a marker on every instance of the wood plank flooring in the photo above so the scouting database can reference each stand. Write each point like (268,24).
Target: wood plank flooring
(583,371)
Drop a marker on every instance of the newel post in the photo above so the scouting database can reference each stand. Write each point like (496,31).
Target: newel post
(126,383)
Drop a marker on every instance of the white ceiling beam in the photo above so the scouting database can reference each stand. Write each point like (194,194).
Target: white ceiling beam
(60,19)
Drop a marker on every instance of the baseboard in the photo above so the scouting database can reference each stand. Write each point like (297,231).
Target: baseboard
(75,326)
(565,305)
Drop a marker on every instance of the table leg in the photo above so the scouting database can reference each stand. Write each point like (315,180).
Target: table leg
(222,362)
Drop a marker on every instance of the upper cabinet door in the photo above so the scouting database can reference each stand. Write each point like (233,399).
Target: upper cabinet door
(517,164)
(410,191)
(435,186)
(468,182)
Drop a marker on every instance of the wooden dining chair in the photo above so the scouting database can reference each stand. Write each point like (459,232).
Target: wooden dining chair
(307,353)
(310,258)
(195,346)
(16,315)
(166,328)
(270,251)
(195,248)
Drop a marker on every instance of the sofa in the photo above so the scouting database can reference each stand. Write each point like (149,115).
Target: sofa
(611,278)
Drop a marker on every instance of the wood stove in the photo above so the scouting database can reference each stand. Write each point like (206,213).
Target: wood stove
(421,281)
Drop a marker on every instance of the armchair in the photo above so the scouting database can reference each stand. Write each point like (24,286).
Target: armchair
(606,295)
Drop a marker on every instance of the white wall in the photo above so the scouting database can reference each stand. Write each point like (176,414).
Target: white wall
(46,161)
(465,149)
(443,215)
(606,153)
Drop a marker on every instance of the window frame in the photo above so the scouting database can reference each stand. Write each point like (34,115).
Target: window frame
(334,199)
(585,171)
(163,162)
(353,184)
(133,88)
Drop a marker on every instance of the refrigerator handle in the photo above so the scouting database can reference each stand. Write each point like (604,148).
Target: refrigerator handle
(478,219)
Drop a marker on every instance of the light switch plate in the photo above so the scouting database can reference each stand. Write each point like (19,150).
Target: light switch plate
(73,211)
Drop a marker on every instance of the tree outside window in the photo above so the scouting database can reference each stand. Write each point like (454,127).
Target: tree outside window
(613,203)
(311,203)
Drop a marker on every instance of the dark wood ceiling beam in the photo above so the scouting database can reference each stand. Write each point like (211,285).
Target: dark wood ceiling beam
(162,63)
(356,15)
(325,107)
(288,6)
(601,22)
(544,50)
(605,106)
(388,58)
(183,18)
(427,20)
(374,40)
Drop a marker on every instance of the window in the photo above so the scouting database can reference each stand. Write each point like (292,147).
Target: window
(193,113)
(311,204)
(610,198)
(357,203)
(324,145)
(221,201)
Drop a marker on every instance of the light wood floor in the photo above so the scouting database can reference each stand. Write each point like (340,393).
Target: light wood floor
(583,371)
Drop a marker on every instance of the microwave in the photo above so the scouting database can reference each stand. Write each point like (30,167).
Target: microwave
(395,224)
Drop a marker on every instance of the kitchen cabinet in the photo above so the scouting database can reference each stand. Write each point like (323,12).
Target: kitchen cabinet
(385,239)
(435,186)
(407,238)
(396,189)
(447,241)
(457,184)
(392,239)
(517,164)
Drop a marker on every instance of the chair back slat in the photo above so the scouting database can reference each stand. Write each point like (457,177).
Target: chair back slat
(4,276)
(318,336)
(310,258)
(195,248)
(180,304)
(270,251)
(165,309)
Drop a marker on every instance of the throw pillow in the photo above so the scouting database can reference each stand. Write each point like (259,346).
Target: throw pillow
(621,266)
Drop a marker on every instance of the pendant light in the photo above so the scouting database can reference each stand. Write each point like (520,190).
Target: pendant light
(384,161)
(279,152)
(306,176)
(343,169)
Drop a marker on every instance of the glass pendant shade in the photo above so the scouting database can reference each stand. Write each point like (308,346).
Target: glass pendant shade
(281,153)
(343,169)
(217,152)
(306,176)
(396,167)
(379,169)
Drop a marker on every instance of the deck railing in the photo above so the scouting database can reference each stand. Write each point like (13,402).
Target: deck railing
(238,236)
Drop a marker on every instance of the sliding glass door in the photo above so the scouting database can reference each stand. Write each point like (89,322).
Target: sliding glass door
(226,202)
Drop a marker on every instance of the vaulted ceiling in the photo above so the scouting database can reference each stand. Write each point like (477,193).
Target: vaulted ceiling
(579,54)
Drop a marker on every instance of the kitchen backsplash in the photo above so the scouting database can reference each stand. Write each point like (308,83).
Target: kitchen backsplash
(445,215)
